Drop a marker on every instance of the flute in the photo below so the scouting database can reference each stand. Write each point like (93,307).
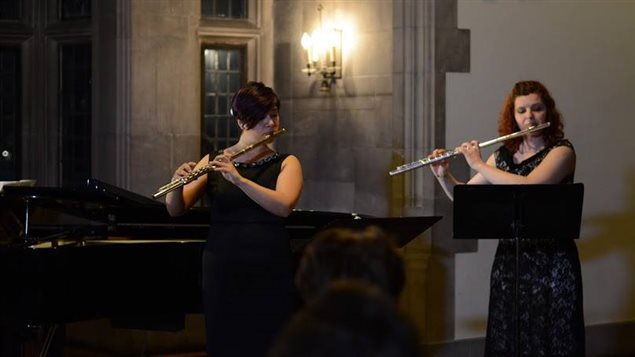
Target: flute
(448,154)
(182,181)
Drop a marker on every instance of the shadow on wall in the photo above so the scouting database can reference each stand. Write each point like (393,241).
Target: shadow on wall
(615,233)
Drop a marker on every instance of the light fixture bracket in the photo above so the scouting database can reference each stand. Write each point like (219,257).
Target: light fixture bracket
(324,53)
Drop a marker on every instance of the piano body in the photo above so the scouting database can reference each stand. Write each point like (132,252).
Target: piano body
(94,252)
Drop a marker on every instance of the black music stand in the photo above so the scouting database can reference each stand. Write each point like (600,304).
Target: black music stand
(403,229)
(518,212)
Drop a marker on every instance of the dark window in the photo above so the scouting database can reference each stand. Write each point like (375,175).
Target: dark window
(74,9)
(231,9)
(75,112)
(223,74)
(10,9)
(9,113)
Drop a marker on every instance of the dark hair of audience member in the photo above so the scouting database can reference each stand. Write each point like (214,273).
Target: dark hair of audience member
(351,319)
(368,255)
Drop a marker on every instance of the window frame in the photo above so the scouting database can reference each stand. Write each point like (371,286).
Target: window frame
(39,32)
(15,164)
(243,80)
(252,21)
(62,142)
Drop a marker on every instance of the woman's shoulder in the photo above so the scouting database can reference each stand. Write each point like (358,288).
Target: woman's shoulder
(563,143)
(290,161)
(289,158)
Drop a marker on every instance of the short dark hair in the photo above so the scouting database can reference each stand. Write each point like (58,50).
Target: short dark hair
(253,102)
(351,319)
(369,255)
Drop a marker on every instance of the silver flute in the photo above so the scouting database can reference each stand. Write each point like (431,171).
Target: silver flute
(448,154)
(182,181)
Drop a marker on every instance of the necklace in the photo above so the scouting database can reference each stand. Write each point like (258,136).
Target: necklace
(258,162)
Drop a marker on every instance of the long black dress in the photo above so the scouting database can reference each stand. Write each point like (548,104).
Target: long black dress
(247,270)
(550,306)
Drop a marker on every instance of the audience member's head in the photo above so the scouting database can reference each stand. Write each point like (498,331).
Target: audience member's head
(351,319)
(368,255)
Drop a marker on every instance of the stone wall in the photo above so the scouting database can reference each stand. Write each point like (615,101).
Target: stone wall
(165,87)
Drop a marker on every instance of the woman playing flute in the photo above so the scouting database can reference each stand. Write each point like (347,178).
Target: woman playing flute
(551,315)
(247,269)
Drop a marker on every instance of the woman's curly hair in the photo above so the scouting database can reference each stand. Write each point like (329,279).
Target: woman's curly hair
(507,122)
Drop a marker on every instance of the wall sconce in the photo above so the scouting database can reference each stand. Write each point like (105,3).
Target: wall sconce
(324,54)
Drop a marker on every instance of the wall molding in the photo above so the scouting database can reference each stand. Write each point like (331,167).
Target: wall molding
(123,94)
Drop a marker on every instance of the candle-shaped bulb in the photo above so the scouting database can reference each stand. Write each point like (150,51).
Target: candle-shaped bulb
(306,44)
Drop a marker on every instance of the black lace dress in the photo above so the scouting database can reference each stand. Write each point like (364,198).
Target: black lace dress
(550,306)
(247,270)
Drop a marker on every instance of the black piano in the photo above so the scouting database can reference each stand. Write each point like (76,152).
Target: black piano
(99,251)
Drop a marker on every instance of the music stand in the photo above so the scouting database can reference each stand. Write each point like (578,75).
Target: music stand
(518,212)
(403,229)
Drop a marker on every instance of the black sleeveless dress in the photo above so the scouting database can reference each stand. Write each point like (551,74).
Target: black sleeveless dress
(247,271)
(550,306)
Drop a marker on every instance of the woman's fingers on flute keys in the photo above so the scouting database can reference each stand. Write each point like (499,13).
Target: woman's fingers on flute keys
(183,170)
(437,153)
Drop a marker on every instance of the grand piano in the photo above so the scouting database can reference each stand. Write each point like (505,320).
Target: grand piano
(99,251)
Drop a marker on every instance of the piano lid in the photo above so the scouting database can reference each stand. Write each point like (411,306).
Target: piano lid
(99,209)
(96,200)
(102,209)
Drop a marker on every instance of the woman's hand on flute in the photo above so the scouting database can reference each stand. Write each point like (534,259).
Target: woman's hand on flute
(472,153)
(223,164)
(184,170)
(439,168)
(174,200)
